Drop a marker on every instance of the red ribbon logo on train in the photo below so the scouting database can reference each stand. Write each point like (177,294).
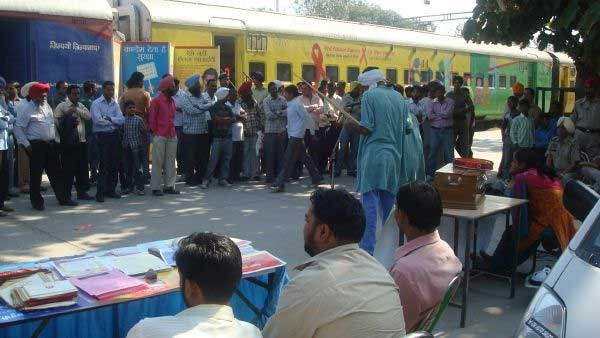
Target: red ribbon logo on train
(317,57)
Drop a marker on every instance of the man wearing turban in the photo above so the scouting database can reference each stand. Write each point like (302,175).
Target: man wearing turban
(164,143)
(586,117)
(35,131)
(222,118)
(563,151)
(382,164)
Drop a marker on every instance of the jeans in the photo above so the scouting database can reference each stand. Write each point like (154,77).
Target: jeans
(180,150)
(164,152)
(440,137)
(108,151)
(44,157)
(197,150)
(146,157)
(274,148)
(220,154)
(377,205)
(348,151)
(296,151)
(237,161)
(251,160)
(133,168)
(313,144)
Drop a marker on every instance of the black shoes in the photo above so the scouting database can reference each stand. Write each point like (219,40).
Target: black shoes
(84,197)
(69,203)
(171,191)
(157,193)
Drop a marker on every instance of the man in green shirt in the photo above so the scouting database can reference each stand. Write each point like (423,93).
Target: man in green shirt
(521,128)
(461,115)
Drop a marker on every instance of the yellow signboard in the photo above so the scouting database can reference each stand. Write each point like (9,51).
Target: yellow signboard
(195,60)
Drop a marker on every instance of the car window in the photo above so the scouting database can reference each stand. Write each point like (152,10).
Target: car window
(589,250)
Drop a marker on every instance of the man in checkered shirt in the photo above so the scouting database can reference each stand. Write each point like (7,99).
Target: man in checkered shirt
(275,111)
(134,134)
(253,123)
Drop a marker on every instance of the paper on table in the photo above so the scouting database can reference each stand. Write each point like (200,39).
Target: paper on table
(137,264)
(6,290)
(79,266)
(259,261)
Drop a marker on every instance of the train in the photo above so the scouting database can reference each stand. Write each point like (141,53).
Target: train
(49,41)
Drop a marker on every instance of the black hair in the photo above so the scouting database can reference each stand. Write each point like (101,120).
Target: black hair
(422,203)
(210,80)
(466,91)
(424,89)
(211,261)
(531,159)
(291,89)
(107,83)
(271,84)
(439,87)
(341,211)
(370,68)
(459,79)
(72,87)
(513,99)
(60,83)
(165,75)
(135,80)
(341,84)
(528,89)
(399,88)
(88,86)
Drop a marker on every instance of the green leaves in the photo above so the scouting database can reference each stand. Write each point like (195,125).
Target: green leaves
(569,14)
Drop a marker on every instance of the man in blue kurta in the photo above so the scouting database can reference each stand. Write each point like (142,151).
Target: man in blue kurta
(390,152)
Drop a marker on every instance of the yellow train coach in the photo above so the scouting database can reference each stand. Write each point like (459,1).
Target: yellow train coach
(287,47)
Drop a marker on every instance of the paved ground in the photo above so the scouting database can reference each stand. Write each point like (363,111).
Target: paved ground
(272,221)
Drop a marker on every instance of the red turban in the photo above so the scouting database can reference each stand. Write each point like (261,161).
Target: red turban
(518,88)
(245,89)
(592,82)
(37,91)
(165,83)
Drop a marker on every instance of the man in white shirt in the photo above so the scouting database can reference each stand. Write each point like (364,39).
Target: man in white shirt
(210,269)
(341,291)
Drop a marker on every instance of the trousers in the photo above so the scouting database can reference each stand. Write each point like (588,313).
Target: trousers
(220,155)
(377,205)
(75,167)
(444,138)
(251,159)
(274,149)
(45,157)
(296,151)
(108,165)
(164,153)
(197,149)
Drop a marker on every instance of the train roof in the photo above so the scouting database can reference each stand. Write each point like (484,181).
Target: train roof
(89,9)
(187,12)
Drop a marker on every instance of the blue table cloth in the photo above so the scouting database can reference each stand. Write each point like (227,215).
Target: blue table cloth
(117,319)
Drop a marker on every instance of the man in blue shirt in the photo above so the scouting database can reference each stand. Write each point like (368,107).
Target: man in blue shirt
(107,118)
(297,116)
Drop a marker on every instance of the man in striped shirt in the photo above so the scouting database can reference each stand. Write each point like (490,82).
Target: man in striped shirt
(275,109)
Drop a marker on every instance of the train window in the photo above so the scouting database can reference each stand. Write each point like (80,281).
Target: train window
(257,67)
(256,42)
(308,73)
(406,76)
(492,81)
(333,73)
(352,73)
(502,81)
(392,74)
(467,79)
(479,82)
(426,76)
(513,80)
(284,72)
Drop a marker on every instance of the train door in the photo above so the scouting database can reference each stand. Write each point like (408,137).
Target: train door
(227,45)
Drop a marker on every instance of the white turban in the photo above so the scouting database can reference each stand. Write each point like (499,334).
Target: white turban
(278,84)
(222,93)
(25,88)
(567,123)
(371,78)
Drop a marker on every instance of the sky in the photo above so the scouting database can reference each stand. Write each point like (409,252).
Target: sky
(406,8)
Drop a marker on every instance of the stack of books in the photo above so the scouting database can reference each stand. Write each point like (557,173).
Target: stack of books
(109,284)
(37,292)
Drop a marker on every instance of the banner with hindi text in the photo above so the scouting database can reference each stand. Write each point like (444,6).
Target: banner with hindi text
(149,58)
(195,60)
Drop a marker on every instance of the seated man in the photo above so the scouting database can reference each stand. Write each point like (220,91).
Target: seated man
(210,269)
(425,265)
(341,291)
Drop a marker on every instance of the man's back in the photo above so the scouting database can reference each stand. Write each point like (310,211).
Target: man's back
(202,321)
(423,268)
(342,292)
(383,112)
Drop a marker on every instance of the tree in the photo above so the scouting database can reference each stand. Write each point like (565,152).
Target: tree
(357,11)
(568,26)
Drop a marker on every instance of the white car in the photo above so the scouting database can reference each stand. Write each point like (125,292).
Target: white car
(567,304)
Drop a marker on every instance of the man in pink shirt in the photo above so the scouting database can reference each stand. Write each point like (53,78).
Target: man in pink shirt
(164,144)
(313,138)
(425,265)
